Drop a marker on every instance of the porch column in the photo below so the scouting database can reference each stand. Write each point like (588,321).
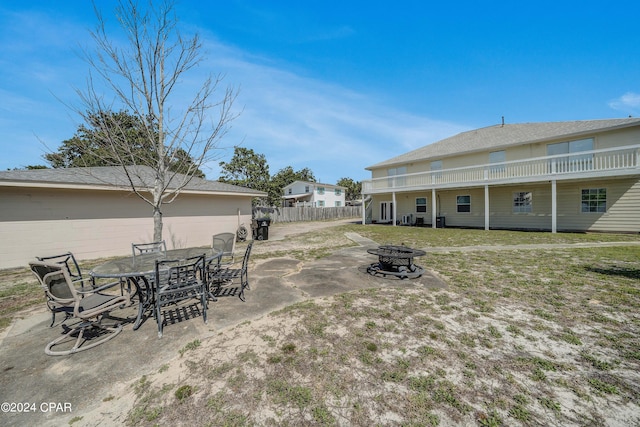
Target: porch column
(486,207)
(393,211)
(364,209)
(434,210)
(554,207)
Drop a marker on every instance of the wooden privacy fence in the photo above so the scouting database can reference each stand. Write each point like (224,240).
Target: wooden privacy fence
(305,213)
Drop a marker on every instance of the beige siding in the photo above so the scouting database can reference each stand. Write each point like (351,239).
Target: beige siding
(623,199)
(407,205)
(611,139)
(618,138)
(501,208)
(35,222)
(447,207)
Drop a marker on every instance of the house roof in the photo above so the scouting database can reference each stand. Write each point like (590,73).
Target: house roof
(316,184)
(501,136)
(113,178)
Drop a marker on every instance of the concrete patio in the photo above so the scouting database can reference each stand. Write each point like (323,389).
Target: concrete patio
(79,383)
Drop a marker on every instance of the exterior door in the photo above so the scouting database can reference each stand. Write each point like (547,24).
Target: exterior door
(386,211)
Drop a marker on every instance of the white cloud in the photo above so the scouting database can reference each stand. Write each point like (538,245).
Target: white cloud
(628,103)
(303,122)
(292,119)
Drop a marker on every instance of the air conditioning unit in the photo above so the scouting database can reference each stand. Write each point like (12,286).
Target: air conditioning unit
(407,219)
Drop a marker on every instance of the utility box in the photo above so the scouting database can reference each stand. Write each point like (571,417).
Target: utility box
(440,222)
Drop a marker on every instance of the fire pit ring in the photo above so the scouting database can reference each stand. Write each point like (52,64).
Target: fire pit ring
(396,261)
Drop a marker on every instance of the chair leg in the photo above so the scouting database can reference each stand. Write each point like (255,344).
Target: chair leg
(159,320)
(80,339)
(203,300)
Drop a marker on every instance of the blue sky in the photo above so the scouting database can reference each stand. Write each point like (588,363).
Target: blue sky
(336,86)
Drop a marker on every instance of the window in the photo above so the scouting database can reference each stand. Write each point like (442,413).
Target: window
(321,203)
(463,203)
(594,200)
(397,182)
(575,162)
(338,204)
(320,190)
(437,167)
(338,192)
(291,191)
(421,204)
(522,201)
(306,188)
(497,157)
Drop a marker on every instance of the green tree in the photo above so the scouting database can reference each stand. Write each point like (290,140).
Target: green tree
(141,75)
(284,177)
(90,147)
(354,189)
(246,169)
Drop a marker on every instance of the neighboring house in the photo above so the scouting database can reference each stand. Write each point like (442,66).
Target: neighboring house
(302,193)
(568,176)
(93,213)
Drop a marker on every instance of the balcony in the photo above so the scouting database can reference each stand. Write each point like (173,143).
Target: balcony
(611,162)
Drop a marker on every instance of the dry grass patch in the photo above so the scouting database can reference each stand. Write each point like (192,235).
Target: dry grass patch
(518,338)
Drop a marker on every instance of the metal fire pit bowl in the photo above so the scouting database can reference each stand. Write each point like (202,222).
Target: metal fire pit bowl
(396,261)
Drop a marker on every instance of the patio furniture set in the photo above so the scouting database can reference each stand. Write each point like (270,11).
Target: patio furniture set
(154,276)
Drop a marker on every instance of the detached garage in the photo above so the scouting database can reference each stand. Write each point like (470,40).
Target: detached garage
(94,213)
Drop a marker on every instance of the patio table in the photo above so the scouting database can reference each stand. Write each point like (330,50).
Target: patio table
(140,269)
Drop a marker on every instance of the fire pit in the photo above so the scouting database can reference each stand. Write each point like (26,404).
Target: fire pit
(396,261)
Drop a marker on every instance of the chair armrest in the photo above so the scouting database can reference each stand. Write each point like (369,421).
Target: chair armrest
(98,288)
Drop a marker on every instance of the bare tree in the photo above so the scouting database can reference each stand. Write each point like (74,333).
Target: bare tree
(141,76)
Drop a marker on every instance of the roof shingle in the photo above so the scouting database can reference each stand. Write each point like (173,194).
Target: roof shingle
(113,176)
(499,136)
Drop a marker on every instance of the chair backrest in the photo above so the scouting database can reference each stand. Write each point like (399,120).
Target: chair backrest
(171,275)
(68,260)
(247,252)
(56,282)
(225,243)
(146,248)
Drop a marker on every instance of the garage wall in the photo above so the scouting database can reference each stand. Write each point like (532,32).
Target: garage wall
(91,224)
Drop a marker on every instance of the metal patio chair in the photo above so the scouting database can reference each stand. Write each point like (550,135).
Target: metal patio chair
(146,248)
(177,281)
(233,279)
(225,243)
(71,264)
(88,306)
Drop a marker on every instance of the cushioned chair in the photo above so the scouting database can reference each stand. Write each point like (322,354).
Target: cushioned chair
(179,280)
(88,306)
(69,261)
(225,243)
(232,279)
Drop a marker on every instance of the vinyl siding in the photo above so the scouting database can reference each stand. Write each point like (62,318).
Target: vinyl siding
(611,139)
(623,199)
(501,208)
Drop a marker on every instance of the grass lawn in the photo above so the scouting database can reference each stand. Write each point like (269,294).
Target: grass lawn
(519,337)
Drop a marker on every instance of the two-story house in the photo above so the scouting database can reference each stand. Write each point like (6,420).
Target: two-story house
(559,176)
(302,193)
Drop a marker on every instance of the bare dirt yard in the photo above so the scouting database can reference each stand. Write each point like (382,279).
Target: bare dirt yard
(546,335)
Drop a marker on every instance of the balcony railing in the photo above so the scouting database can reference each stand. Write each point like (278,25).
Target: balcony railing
(584,164)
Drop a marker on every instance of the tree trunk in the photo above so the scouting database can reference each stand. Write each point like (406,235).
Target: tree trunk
(157,224)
